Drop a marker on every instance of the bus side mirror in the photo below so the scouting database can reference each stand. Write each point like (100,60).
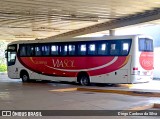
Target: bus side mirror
(5,53)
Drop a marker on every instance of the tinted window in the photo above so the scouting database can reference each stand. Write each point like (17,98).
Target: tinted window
(54,49)
(63,50)
(115,48)
(120,47)
(102,49)
(38,50)
(125,48)
(145,44)
(45,50)
(82,49)
(29,50)
(22,50)
(72,49)
(92,49)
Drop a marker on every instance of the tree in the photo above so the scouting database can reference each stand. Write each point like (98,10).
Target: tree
(3,46)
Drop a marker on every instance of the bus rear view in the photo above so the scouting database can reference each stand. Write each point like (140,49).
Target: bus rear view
(142,60)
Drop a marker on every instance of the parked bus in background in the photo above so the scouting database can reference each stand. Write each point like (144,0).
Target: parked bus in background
(108,59)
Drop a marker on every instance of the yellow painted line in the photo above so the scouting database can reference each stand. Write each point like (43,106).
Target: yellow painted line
(64,90)
(133,93)
(130,85)
(126,85)
(156,105)
(144,107)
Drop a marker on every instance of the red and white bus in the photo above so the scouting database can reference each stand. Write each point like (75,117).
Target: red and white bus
(108,59)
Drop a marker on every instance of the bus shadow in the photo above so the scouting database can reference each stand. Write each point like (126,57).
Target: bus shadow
(73,83)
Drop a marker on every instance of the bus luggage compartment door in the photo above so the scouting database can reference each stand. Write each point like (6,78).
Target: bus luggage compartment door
(119,76)
(13,72)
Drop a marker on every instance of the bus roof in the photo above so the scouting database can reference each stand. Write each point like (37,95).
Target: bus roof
(47,40)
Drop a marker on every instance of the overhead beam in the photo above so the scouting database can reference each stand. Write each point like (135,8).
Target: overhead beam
(112,24)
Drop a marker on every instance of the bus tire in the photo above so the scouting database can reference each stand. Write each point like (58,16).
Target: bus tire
(84,80)
(25,77)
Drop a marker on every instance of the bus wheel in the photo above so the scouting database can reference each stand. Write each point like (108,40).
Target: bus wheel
(84,80)
(25,77)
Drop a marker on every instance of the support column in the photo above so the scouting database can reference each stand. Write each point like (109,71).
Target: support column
(112,32)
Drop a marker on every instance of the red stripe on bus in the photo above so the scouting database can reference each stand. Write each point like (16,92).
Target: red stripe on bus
(70,66)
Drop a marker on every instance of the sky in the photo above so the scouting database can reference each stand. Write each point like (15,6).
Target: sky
(151,30)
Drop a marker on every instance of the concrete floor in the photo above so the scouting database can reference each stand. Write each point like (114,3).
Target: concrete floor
(15,95)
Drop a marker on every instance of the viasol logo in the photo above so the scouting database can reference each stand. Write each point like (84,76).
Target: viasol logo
(63,63)
(146,60)
(147,63)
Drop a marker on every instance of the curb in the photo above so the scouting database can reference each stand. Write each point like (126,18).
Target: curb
(124,92)
(133,93)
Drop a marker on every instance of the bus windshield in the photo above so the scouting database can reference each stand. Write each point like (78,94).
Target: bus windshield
(145,45)
(11,55)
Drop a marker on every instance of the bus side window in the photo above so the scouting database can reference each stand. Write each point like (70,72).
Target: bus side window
(92,49)
(63,50)
(125,48)
(102,49)
(72,49)
(54,49)
(114,50)
(38,50)
(30,50)
(22,50)
(45,50)
(82,49)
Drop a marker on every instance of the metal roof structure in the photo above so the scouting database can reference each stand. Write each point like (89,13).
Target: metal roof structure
(31,19)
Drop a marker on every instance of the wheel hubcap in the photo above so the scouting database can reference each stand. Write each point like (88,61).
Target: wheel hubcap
(25,78)
(84,81)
